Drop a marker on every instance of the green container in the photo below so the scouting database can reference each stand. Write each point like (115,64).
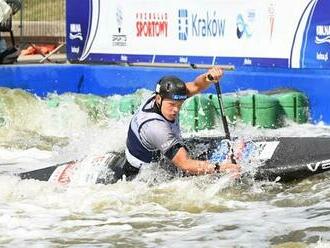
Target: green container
(188,114)
(92,104)
(294,106)
(206,112)
(230,105)
(53,102)
(129,104)
(121,106)
(111,108)
(260,110)
(197,113)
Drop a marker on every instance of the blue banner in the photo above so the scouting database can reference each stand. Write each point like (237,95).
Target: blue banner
(316,45)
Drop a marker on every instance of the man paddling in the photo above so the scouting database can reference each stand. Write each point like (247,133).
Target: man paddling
(154,129)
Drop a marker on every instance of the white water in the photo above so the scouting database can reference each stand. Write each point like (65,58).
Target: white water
(185,212)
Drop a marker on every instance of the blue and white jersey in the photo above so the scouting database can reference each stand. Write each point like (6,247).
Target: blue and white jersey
(149,134)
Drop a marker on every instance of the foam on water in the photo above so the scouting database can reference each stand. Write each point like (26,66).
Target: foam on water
(184,211)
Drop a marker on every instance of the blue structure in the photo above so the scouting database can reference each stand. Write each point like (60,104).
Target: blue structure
(106,80)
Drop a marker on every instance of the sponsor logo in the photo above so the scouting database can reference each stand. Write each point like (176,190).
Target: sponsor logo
(222,151)
(75,31)
(324,165)
(166,145)
(322,56)
(183,59)
(204,25)
(271,18)
(183,24)
(244,24)
(179,97)
(267,149)
(246,150)
(119,19)
(151,24)
(63,174)
(119,39)
(247,61)
(75,49)
(322,34)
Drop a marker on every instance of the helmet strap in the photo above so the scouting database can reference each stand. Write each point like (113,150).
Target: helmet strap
(158,108)
(161,104)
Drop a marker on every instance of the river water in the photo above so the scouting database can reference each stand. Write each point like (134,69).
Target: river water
(184,212)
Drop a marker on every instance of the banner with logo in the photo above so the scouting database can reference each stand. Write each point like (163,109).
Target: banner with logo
(275,33)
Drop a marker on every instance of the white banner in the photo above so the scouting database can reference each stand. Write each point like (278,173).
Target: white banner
(237,31)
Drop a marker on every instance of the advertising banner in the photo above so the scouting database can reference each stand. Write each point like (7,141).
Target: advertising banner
(274,33)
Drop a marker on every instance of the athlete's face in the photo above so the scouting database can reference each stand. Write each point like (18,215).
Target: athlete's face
(170,108)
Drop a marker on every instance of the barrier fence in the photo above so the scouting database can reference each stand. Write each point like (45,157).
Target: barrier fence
(40,21)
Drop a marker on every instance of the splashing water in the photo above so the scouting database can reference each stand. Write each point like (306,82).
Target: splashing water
(190,211)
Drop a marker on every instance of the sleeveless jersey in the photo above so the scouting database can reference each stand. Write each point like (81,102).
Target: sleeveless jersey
(150,135)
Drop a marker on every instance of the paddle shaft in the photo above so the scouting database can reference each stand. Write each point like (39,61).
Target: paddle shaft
(223,116)
(222,112)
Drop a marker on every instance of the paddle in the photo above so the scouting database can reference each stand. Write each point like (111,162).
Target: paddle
(222,113)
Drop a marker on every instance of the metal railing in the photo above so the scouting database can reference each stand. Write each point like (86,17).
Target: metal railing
(40,21)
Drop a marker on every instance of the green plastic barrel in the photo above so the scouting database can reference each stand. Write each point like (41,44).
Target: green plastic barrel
(188,114)
(53,102)
(197,113)
(230,105)
(205,112)
(260,110)
(129,104)
(111,108)
(92,104)
(294,106)
(86,101)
